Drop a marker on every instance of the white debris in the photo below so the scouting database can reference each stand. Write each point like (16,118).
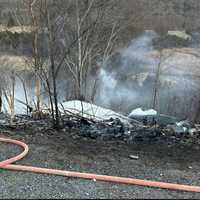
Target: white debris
(180,34)
(140,112)
(182,123)
(192,131)
(134,157)
(90,110)
(177,129)
(185,129)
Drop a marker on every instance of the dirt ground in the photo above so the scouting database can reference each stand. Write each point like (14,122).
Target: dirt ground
(158,160)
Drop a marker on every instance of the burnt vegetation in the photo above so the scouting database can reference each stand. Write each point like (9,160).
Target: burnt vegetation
(117,55)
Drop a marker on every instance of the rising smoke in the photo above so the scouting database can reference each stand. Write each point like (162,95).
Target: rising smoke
(128,80)
(131,61)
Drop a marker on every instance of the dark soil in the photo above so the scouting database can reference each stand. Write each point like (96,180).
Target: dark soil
(158,160)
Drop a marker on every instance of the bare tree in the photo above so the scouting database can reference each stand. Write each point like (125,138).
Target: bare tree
(94,46)
(8,90)
(77,52)
(44,65)
(77,35)
(35,20)
(157,81)
(161,58)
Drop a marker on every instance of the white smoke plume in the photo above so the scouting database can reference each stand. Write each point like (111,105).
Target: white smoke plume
(138,64)
(131,60)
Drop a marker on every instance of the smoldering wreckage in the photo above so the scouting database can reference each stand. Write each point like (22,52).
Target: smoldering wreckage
(88,120)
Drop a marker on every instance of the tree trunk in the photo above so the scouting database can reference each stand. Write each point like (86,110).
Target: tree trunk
(156,86)
(56,119)
(12,98)
(37,70)
(0,100)
(38,92)
(36,59)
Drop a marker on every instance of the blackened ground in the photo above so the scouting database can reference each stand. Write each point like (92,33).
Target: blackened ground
(158,160)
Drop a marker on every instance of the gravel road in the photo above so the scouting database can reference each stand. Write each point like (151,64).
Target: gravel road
(160,161)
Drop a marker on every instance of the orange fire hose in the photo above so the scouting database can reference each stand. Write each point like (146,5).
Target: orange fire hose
(8,164)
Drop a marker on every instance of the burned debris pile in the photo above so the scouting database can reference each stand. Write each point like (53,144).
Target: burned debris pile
(87,120)
(111,129)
